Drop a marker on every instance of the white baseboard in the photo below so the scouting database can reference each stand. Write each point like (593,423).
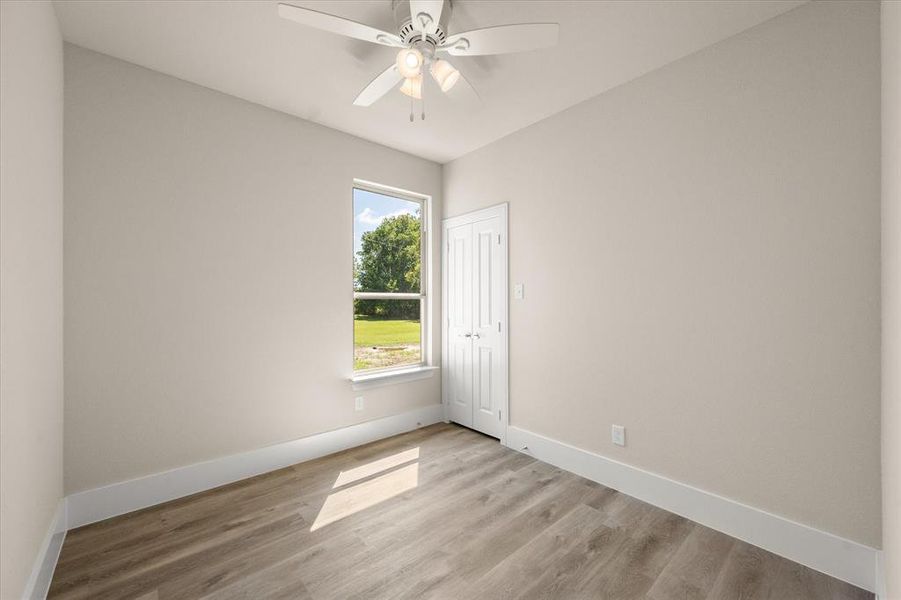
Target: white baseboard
(38,583)
(119,498)
(827,553)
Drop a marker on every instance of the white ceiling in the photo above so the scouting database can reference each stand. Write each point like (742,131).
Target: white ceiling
(244,49)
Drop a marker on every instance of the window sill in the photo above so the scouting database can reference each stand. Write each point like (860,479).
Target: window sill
(371,380)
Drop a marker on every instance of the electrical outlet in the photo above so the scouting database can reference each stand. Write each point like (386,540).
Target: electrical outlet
(618,435)
(358,403)
(519,291)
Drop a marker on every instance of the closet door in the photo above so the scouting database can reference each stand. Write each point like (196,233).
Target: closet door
(475,327)
(458,360)
(488,361)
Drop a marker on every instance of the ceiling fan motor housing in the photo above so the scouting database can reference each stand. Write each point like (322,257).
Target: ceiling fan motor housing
(410,33)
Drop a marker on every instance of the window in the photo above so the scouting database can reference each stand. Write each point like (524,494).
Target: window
(389,279)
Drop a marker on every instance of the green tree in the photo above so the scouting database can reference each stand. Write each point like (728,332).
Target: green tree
(389,261)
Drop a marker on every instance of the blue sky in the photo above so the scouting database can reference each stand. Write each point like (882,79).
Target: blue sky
(370,209)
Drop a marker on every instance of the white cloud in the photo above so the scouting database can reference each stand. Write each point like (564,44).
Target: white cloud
(368,216)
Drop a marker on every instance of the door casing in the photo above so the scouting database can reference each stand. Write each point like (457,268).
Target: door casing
(500,211)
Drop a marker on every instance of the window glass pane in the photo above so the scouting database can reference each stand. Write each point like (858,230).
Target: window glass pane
(387,333)
(386,243)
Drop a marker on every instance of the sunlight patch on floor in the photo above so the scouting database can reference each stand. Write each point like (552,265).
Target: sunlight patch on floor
(371,490)
(376,466)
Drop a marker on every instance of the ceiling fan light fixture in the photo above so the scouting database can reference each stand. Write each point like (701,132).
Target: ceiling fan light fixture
(445,74)
(422,35)
(409,62)
(412,87)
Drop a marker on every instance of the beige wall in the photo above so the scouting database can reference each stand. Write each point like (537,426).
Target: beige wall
(31,285)
(891,296)
(208,258)
(700,255)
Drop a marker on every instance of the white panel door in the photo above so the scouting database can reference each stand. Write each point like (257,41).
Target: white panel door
(475,334)
(458,362)
(488,376)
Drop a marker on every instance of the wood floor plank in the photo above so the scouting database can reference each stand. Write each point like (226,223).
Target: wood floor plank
(438,513)
(695,566)
(748,574)
(621,577)
(654,538)
(399,543)
(516,574)
(574,567)
(800,583)
(522,506)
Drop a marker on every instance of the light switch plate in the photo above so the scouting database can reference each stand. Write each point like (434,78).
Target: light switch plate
(519,291)
(358,403)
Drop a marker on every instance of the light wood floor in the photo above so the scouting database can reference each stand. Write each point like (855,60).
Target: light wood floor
(441,512)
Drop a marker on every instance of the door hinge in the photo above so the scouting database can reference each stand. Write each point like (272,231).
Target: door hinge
(498,415)
(498,238)
(498,326)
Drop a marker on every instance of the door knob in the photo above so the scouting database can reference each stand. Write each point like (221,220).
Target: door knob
(467,335)
(476,336)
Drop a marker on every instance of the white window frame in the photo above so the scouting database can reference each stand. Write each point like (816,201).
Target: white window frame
(408,372)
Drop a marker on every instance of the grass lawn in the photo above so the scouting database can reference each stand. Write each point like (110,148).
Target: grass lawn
(380,343)
(369,331)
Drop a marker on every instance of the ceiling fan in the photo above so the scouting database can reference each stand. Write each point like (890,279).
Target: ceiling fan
(422,37)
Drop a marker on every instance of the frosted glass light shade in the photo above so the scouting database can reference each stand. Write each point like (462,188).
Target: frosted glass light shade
(409,62)
(445,74)
(412,87)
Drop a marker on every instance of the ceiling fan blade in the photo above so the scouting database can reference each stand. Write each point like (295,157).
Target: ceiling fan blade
(502,39)
(339,25)
(432,8)
(379,86)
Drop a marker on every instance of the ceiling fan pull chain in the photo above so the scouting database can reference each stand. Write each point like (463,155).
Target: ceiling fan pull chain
(411,109)
(422,101)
